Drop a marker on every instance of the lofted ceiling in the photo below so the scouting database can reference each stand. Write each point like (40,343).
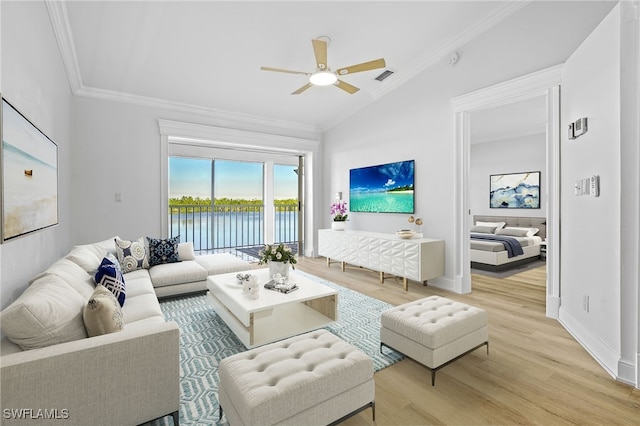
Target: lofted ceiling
(204,57)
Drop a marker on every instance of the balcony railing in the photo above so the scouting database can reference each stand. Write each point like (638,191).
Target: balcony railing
(228,226)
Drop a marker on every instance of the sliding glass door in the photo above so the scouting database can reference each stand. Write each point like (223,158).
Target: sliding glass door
(238,206)
(222,204)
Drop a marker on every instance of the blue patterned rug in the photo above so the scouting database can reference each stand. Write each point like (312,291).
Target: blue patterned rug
(205,339)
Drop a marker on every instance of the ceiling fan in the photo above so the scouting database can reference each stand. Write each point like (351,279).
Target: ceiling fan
(323,76)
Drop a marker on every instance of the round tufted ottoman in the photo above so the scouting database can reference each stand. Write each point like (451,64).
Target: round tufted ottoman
(312,379)
(434,331)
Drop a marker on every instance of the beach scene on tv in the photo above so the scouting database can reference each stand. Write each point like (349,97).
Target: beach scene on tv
(384,188)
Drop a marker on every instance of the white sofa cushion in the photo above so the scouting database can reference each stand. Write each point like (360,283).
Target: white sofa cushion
(72,274)
(102,314)
(47,313)
(177,273)
(109,244)
(222,263)
(138,282)
(88,257)
(141,307)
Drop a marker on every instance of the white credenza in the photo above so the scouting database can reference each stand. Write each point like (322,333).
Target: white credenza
(418,259)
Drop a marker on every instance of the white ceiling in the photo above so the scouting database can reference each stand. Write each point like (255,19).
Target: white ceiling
(205,56)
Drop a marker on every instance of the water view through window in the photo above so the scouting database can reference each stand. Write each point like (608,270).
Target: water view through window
(236,217)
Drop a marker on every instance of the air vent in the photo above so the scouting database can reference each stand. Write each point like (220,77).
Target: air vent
(385,74)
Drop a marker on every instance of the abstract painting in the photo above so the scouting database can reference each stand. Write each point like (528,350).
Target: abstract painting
(29,176)
(515,191)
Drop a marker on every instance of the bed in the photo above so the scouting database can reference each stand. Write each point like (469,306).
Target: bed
(489,252)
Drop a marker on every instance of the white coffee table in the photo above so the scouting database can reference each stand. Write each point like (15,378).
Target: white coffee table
(274,315)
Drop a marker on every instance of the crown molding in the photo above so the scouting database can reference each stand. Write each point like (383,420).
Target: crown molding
(227,118)
(62,30)
(400,78)
(64,36)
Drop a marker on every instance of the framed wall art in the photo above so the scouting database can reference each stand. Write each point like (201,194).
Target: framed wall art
(515,191)
(29,176)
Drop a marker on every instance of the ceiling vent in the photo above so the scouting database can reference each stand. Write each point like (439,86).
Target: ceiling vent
(385,74)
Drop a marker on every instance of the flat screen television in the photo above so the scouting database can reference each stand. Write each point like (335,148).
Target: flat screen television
(384,188)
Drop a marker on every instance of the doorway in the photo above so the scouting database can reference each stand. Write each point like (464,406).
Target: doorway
(546,84)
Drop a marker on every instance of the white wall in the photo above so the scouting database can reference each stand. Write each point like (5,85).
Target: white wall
(592,231)
(415,121)
(34,81)
(523,154)
(118,149)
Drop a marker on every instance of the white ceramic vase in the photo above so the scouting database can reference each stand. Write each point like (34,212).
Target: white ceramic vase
(281,268)
(338,225)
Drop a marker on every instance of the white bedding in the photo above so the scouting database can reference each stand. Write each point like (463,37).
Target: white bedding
(496,246)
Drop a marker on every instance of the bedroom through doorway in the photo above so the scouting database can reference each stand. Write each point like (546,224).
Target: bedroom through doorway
(509,142)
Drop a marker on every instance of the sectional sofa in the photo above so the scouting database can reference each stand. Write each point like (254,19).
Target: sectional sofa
(50,369)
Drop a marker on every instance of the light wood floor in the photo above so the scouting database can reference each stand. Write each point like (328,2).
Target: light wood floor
(535,373)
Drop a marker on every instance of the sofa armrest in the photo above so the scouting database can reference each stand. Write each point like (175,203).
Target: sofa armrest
(128,377)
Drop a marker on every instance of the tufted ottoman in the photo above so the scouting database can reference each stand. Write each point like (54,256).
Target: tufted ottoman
(434,331)
(313,378)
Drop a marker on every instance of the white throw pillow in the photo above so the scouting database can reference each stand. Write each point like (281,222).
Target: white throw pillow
(515,231)
(49,312)
(185,251)
(497,225)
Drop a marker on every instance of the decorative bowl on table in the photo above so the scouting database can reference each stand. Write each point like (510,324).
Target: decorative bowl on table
(405,233)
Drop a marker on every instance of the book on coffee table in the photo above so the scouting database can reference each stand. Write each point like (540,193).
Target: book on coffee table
(281,287)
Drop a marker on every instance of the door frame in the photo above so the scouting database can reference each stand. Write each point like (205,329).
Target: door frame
(541,83)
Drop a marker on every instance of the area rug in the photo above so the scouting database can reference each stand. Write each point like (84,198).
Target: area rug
(205,339)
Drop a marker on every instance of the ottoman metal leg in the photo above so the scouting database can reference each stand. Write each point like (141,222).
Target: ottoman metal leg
(433,370)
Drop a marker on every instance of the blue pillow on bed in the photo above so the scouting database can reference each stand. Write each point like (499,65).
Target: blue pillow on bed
(110,277)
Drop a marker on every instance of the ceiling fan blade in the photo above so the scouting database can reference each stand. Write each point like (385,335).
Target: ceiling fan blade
(346,87)
(302,89)
(365,66)
(320,50)
(282,70)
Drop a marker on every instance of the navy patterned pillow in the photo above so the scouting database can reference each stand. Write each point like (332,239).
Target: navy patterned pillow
(110,277)
(163,251)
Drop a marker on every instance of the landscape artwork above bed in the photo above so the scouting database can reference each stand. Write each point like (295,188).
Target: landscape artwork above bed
(515,191)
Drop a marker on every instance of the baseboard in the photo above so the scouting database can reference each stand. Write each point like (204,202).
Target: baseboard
(627,372)
(442,283)
(553,307)
(599,351)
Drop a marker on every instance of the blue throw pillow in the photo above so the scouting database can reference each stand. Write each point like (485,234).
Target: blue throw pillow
(163,251)
(110,277)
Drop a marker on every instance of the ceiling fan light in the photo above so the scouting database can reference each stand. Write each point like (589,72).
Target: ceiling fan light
(323,78)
